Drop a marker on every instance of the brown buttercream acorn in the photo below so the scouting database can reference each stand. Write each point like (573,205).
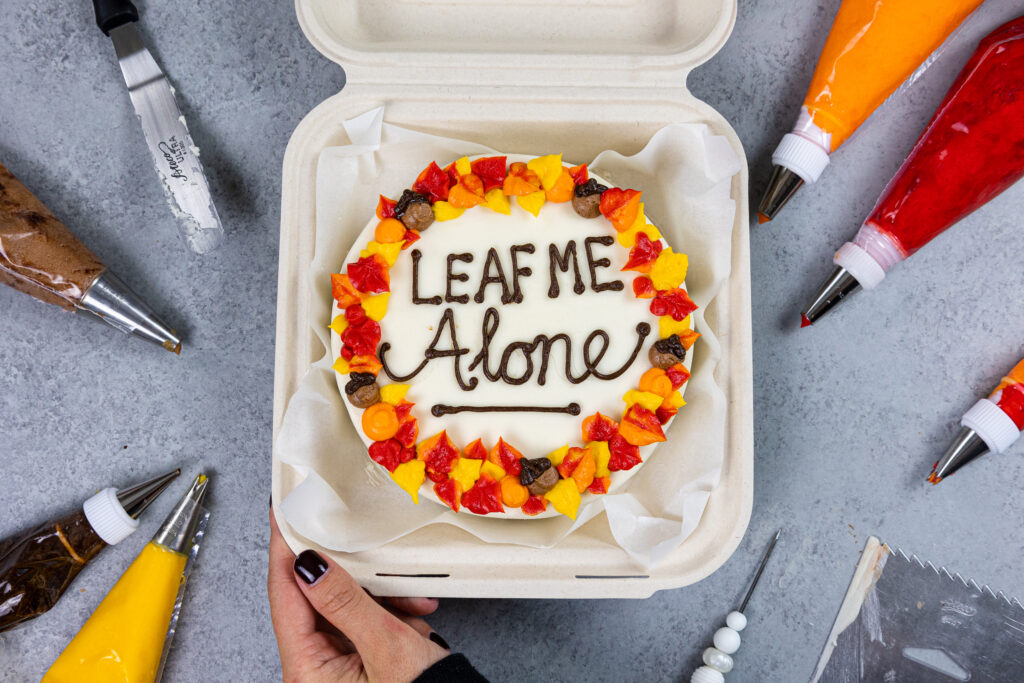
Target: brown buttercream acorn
(362,389)
(413,209)
(667,352)
(586,199)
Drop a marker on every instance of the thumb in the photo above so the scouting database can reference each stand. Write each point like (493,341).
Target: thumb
(390,648)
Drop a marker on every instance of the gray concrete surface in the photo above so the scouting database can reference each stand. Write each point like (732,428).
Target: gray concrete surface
(849,414)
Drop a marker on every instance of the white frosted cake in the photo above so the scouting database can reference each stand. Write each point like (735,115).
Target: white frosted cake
(511,336)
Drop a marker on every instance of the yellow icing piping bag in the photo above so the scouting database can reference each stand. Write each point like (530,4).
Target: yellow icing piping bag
(126,639)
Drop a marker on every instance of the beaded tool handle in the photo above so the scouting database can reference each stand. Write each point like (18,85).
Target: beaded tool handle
(718,659)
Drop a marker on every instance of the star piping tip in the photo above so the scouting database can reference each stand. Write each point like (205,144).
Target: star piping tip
(804,321)
(762,219)
(933,478)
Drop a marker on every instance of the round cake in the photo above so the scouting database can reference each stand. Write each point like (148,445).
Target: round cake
(511,335)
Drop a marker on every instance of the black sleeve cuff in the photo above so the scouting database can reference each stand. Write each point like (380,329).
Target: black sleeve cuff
(452,669)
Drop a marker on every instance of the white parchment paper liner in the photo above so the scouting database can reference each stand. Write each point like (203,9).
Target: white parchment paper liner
(347,503)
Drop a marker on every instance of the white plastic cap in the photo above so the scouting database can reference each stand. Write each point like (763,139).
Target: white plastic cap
(107,517)
(801,156)
(860,264)
(994,426)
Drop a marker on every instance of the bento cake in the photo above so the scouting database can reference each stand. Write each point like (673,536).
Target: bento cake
(511,335)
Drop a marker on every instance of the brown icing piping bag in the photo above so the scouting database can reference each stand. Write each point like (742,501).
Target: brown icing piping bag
(40,256)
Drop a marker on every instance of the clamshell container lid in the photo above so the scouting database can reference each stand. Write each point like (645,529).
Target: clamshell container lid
(530,42)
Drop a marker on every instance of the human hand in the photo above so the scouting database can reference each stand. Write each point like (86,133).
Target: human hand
(329,629)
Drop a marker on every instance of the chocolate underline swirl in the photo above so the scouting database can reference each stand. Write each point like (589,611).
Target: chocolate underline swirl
(441,409)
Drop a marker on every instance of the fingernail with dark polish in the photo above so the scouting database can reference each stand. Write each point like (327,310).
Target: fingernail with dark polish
(434,636)
(310,567)
(271,500)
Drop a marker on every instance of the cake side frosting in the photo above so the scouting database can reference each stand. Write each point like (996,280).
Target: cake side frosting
(513,340)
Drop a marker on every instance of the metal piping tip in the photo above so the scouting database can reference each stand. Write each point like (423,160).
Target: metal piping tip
(113,302)
(781,188)
(136,499)
(965,447)
(177,531)
(839,285)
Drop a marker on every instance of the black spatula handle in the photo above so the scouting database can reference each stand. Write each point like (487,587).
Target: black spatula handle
(113,13)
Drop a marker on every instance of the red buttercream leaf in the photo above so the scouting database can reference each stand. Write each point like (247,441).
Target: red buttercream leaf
(600,485)
(433,183)
(570,462)
(643,254)
(440,458)
(402,409)
(407,432)
(370,275)
(621,207)
(643,288)
(506,457)
(491,170)
(449,492)
(410,237)
(385,208)
(599,427)
(665,413)
(624,455)
(347,353)
(484,497)
(674,302)
(475,451)
(579,174)
(355,314)
(362,337)
(343,291)
(678,374)
(386,453)
(407,454)
(534,505)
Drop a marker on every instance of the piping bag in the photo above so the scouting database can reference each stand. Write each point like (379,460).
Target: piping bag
(38,565)
(40,256)
(992,424)
(970,151)
(873,47)
(127,638)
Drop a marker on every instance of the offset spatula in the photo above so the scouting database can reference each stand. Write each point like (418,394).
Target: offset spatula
(174,155)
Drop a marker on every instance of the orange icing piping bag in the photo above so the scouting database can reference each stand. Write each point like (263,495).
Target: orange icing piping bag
(967,155)
(992,424)
(873,47)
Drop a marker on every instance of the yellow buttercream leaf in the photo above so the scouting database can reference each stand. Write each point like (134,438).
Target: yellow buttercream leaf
(627,238)
(667,326)
(532,202)
(463,167)
(443,211)
(495,200)
(339,324)
(548,168)
(669,269)
(675,400)
(495,471)
(466,471)
(565,498)
(602,455)
(648,400)
(410,476)
(341,365)
(376,306)
(392,394)
(389,252)
(557,456)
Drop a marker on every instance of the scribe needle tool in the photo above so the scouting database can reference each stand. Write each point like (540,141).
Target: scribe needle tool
(718,659)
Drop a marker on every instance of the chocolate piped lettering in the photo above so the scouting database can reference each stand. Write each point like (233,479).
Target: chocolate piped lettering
(488,279)
(452,277)
(561,261)
(593,264)
(416,298)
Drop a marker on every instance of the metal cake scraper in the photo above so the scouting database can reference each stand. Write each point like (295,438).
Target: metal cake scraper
(175,156)
(905,620)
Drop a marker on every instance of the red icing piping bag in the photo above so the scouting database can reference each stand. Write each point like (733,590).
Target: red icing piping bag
(992,424)
(971,150)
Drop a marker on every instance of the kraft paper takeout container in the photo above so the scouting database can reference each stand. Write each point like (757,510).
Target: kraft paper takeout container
(526,77)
